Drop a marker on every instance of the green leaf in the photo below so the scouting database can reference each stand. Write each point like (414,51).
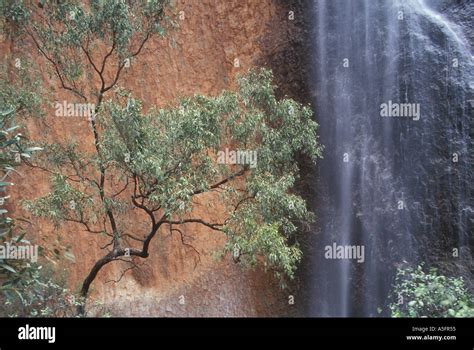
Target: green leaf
(8,267)
(70,256)
(18,240)
(33,149)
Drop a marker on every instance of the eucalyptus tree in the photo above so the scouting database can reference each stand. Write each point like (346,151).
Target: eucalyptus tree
(156,163)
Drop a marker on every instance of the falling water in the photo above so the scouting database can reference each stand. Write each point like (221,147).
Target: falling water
(389,184)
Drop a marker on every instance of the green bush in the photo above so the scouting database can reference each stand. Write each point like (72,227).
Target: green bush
(23,290)
(26,290)
(11,152)
(37,293)
(421,294)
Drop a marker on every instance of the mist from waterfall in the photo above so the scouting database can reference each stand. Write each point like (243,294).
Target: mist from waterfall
(388,183)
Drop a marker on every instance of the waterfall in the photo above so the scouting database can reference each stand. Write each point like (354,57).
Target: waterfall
(392,85)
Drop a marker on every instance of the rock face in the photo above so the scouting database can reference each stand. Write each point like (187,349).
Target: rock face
(401,192)
(199,57)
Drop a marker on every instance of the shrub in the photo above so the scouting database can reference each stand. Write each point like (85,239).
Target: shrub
(421,294)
